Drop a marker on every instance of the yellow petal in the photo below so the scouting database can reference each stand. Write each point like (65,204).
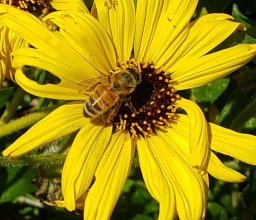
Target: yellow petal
(223,140)
(87,37)
(149,169)
(177,136)
(198,137)
(60,91)
(110,176)
(147,18)
(4,8)
(64,120)
(237,145)
(9,41)
(197,72)
(83,158)
(159,23)
(67,46)
(118,18)
(2,72)
(204,34)
(189,186)
(218,170)
(50,62)
(59,203)
(156,182)
(76,5)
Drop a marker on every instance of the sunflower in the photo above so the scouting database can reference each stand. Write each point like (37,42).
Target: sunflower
(9,40)
(170,134)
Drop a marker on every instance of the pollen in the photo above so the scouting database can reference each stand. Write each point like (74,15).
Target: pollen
(38,8)
(151,106)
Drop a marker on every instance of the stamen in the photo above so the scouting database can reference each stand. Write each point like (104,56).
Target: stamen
(151,105)
(38,8)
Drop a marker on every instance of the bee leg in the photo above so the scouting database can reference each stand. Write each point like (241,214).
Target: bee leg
(129,104)
(109,115)
(105,116)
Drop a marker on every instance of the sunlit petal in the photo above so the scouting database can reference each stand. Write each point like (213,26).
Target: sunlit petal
(2,71)
(160,188)
(218,170)
(204,34)
(62,121)
(177,136)
(147,18)
(76,5)
(198,138)
(237,145)
(9,42)
(83,158)
(110,176)
(86,37)
(118,18)
(83,60)
(228,142)
(189,186)
(197,72)
(158,25)
(64,91)
(174,147)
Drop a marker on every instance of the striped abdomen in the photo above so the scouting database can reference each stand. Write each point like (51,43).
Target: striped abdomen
(100,101)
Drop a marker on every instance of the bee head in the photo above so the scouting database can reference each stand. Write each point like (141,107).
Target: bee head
(126,81)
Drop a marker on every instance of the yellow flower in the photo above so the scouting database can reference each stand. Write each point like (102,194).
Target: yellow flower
(11,41)
(168,54)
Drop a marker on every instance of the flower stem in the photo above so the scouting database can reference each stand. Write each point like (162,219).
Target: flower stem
(23,122)
(12,107)
(43,160)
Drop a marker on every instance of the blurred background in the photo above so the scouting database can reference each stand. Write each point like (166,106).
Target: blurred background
(230,102)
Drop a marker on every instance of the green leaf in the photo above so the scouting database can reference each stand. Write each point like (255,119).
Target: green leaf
(214,6)
(237,14)
(4,95)
(237,100)
(152,207)
(127,185)
(216,210)
(243,38)
(142,217)
(210,92)
(17,183)
(140,194)
(246,119)
(238,112)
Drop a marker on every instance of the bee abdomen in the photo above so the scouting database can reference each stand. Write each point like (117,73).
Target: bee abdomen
(100,101)
(91,108)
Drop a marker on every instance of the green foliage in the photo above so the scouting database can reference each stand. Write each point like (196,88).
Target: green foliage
(15,181)
(135,202)
(230,102)
(4,96)
(210,92)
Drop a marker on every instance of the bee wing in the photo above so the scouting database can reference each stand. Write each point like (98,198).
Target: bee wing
(89,84)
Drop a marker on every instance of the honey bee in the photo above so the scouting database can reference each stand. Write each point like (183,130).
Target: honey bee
(109,93)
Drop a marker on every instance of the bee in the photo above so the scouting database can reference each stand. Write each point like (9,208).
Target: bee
(109,93)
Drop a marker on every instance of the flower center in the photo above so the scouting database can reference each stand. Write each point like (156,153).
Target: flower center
(38,8)
(151,105)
